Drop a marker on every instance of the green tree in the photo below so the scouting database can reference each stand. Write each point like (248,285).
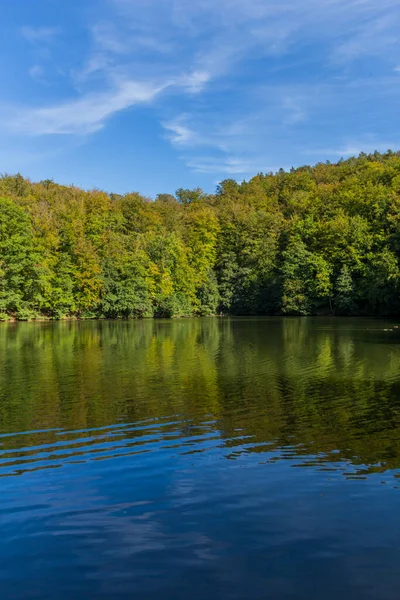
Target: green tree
(17,261)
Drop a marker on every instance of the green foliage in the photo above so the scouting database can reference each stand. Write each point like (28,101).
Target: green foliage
(306,280)
(174,305)
(188,196)
(344,299)
(208,295)
(124,293)
(315,240)
(17,260)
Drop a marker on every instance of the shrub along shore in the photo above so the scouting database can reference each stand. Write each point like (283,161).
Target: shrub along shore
(315,240)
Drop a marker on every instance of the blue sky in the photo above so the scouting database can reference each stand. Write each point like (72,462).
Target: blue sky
(152,95)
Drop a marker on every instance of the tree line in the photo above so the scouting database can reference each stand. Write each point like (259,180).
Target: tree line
(321,239)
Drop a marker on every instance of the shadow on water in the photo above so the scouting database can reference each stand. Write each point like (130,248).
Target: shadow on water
(324,391)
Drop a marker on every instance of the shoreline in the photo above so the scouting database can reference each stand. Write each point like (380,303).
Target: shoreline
(13,320)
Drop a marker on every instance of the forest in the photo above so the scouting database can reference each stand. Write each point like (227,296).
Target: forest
(315,240)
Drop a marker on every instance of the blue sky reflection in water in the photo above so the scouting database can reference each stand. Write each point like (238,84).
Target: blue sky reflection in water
(202,458)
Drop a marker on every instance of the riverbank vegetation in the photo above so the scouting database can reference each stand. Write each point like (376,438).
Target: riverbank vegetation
(315,240)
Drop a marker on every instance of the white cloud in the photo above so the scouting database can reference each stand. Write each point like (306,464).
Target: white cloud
(354,148)
(228,30)
(36,72)
(87,114)
(232,165)
(295,109)
(195,81)
(106,36)
(179,132)
(377,38)
(39,35)
(349,150)
(229,165)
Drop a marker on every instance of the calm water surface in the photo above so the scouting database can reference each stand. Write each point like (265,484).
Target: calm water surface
(201,458)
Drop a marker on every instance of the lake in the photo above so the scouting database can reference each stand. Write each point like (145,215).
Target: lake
(200,458)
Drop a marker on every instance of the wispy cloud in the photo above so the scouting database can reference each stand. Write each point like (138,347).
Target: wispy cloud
(353,148)
(36,72)
(87,114)
(39,35)
(178,131)
(195,81)
(237,85)
(373,38)
(295,109)
(230,35)
(230,165)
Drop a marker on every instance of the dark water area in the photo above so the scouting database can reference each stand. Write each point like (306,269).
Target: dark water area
(200,458)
